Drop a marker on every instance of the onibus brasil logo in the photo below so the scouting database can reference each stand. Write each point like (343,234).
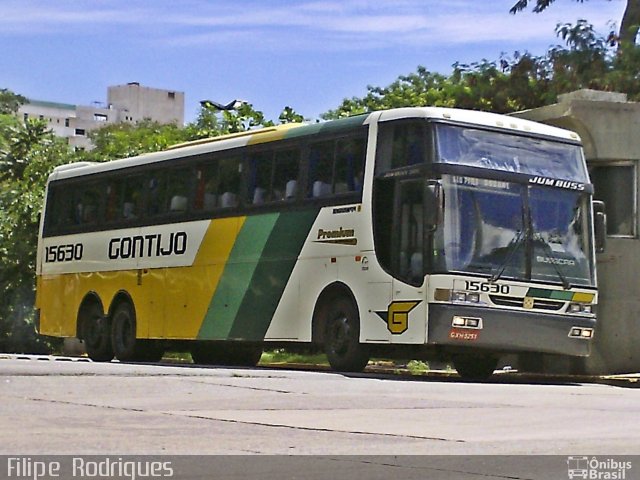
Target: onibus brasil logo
(597,468)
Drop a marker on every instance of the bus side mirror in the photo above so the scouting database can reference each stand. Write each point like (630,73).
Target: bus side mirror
(600,225)
(434,205)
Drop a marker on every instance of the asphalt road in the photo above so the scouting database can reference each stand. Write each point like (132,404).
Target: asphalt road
(81,408)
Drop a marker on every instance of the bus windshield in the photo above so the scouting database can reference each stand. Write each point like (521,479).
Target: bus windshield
(511,153)
(510,230)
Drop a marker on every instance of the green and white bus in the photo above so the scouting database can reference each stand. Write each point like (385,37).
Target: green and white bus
(408,233)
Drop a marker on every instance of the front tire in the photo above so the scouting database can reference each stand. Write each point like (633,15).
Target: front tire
(475,367)
(342,336)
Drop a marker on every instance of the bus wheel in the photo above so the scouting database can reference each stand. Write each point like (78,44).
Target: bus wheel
(341,336)
(475,367)
(123,332)
(96,333)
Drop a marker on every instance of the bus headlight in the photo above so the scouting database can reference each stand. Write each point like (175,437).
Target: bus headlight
(583,308)
(458,297)
(472,297)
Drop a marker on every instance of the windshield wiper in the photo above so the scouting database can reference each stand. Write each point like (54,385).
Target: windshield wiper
(515,243)
(554,261)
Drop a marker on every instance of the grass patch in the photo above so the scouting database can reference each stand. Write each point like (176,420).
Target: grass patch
(280,355)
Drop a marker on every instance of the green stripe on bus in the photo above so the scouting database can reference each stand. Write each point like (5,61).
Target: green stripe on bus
(272,274)
(553,294)
(336,126)
(236,277)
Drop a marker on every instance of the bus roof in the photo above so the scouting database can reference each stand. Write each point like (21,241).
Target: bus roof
(485,119)
(294,130)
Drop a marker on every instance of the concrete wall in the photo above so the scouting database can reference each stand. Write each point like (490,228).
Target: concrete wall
(610,130)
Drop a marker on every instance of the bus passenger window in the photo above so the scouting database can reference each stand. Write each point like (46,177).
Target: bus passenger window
(155,193)
(178,182)
(229,182)
(349,165)
(87,204)
(113,194)
(321,169)
(260,171)
(133,197)
(207,187)
(62,209)
(401,144)
(285,175)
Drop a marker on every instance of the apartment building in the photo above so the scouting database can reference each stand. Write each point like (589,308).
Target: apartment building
(125,103)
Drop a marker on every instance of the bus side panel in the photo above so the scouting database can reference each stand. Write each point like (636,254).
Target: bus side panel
(51,298)
(272,274)
(192,288)
(332,252)
(255,275)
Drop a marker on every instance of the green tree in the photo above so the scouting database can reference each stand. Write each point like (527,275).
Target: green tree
(29,153)
(10,102)
(123,140)
(512,83)
(629,23)
(289,115)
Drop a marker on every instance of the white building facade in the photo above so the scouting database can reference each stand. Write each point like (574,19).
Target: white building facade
(129,103)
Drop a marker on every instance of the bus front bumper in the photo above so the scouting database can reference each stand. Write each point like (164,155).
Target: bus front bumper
(509,331)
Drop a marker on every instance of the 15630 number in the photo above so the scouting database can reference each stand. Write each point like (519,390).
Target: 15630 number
(486,287)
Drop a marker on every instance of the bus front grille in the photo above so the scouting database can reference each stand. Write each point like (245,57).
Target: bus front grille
(538,303)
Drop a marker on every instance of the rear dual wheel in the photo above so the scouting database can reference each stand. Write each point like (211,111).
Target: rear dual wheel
(96,333)
(126,346)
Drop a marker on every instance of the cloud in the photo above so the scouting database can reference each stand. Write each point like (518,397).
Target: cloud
(316,24)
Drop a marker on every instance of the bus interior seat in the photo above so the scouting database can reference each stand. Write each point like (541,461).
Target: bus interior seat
(321,189)
(259,195)
(228,200)
(291,189)
(178,203)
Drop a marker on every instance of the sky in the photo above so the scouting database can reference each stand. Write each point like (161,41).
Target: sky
(307,54)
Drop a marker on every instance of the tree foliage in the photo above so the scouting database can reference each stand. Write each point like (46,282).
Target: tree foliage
(10,102)
(511,83)
(29,153)
(629,23)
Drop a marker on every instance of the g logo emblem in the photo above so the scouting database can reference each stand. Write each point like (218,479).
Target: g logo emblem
(398,316)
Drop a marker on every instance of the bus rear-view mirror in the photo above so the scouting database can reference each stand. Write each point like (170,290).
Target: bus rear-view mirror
(600,225)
